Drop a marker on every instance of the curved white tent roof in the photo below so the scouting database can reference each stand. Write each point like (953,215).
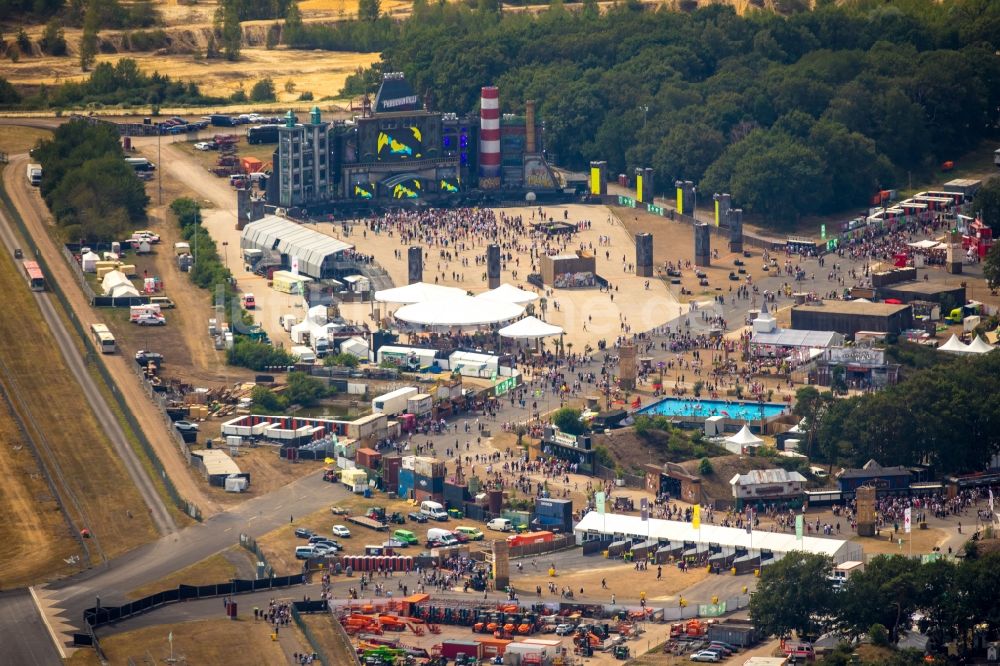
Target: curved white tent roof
(979,346)
(745,438)
(954,346)
(508,293)
(458,311)
(530,327)
(112,279)
(418,292)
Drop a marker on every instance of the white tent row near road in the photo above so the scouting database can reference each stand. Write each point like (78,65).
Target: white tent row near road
(634,527)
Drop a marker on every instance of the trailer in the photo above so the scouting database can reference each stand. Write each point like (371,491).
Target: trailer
(35,174)
(394,402)
(364,521)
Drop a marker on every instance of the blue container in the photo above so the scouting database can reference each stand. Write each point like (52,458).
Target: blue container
(405,482)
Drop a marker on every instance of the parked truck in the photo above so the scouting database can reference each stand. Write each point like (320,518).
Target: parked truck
(35,174)
(394,402)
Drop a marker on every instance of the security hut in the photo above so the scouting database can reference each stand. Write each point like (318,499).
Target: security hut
(767,486)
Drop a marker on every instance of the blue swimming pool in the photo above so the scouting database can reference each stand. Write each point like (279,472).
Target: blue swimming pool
(743,411)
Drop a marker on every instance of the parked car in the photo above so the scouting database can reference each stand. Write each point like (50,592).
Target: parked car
(706,655)
(202,145)
(718,647)
(461,538)
(305,552)
(150,320)
(726,646)
(302,532)
(416,516)
(338,510)
(341,531)
(186,426)
(565,629)
(18,254)
(143,357)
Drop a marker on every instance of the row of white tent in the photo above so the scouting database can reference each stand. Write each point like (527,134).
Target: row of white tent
(435,305)
(956,346)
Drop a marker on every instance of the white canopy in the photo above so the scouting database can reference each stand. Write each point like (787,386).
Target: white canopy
(113,279)
(530,327)
(508,293)
(418,292)
(458,311)
(954,346)
(979,346)
(89,262)
(924,245)
(745,438)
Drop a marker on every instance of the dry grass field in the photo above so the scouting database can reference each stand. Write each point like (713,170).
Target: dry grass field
(218,568)
(51,401)
(198,642)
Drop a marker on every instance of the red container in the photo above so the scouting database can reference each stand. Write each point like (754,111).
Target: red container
(451,649)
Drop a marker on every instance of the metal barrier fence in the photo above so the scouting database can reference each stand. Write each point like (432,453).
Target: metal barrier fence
(317,648)
(558,543)
(250,544)
(345,640)
(184,505)
(101,615)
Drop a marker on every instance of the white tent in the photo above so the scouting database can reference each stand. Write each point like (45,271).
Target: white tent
(122,290)
(924,245)
(979,346)
(316,314)
(89,262)
(744,438)
(418,292)
(113,279)
(458,311)
(954,346)
(530,327)
(355,346)
(508,293)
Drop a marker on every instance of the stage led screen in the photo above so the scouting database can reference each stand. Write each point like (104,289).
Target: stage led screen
(407,189)
(404,143)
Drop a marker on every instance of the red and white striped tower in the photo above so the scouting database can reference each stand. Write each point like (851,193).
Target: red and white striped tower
(489,138)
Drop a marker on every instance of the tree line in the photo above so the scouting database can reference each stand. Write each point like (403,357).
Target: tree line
(90,190)
(941,415)
(795,115)
(949,601)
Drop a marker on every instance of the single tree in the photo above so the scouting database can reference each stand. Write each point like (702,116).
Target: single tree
(991,268)
(369,10)
(263,90)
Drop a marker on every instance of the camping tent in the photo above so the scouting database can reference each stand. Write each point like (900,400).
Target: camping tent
(979,346)
(458,311)
(954,346)
(418,292)
(508,293)
(530,327)
(113,279)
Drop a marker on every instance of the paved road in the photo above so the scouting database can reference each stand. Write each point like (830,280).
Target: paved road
(26,640)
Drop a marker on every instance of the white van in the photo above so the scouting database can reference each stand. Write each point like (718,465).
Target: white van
(433,510)
(441,537)
(305,552)
(500,525)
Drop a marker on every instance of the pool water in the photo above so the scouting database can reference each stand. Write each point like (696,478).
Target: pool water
(742,411)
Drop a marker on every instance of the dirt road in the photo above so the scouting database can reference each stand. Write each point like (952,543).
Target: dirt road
(152,421)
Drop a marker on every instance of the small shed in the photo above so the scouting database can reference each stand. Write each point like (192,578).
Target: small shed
(250,164)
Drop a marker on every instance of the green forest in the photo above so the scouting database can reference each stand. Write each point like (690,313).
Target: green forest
(794,115)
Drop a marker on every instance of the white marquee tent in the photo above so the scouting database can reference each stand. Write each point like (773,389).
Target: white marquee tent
(458,311)
(954,346)
(418,292)
(508,293)
(745,438)
(595,524)
(979,346)
(530,327)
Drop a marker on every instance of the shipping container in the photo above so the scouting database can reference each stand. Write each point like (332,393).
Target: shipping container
(419,405)
(451,649)
(529,538)
(368,458)
(394,402)
(493,647)
(429,467)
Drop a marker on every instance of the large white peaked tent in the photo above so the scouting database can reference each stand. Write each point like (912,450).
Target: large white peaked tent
(954,346)
(530,328)
(418,292)
(508,293)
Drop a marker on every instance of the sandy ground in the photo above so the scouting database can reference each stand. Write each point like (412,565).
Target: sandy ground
(572,309)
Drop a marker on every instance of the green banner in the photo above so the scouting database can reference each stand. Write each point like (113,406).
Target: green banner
(799,526)
(711,610)
(628,202)
(655,210)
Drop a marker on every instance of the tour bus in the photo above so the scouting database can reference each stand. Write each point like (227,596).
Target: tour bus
(34,275)
(103,338)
